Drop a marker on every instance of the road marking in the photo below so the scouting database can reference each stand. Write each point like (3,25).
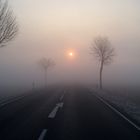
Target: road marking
(12,100)
(54,111)
(6,99)
(119,113)
(64,91)
(61,98)
(42,135)
(60,105)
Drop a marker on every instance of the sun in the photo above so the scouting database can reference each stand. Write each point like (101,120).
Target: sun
(70,54)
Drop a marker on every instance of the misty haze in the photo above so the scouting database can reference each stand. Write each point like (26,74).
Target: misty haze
(69,70)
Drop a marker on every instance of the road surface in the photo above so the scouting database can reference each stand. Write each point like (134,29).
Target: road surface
(56,113)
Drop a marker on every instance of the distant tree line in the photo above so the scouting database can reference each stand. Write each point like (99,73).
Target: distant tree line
(101,47)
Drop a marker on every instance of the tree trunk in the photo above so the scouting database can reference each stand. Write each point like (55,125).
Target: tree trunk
(101,70)
(45,78)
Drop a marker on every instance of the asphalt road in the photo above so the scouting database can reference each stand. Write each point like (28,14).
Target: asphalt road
(71,113)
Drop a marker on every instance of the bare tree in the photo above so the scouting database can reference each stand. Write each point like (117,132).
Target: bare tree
(46,64)
(103,51)
(8,25)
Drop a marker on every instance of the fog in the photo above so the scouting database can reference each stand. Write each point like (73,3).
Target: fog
(53,29)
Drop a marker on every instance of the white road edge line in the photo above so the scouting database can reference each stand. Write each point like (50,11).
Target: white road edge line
(119,113)
(42,135)
(16,99)
(54,111)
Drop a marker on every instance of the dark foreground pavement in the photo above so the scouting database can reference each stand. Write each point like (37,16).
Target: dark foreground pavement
(25,118)
(84,117)
(63,114)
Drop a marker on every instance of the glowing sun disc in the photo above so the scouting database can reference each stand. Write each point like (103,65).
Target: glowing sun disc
(70,54)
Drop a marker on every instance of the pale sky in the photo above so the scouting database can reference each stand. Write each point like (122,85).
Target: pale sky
(52,28)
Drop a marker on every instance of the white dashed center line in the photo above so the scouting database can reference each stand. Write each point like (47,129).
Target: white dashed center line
(54,111)
(42,135)
(51,115)
(60,105)
(61,98)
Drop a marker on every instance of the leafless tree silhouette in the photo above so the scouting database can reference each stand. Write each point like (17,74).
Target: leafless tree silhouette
(103,51)
(45,64)
(8,25)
